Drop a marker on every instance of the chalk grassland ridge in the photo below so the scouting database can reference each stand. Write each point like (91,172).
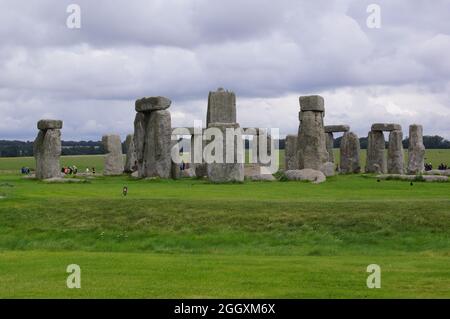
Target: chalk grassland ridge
(190,238)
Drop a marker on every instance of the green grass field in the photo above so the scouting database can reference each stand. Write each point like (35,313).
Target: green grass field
(190,238)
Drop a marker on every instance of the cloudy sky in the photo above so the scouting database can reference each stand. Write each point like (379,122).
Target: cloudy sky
(268,52)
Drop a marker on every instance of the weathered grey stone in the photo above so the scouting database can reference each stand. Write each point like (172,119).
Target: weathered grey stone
(131,160)
(416,152)
(435,178)
(226,172)
(376,158)
(330,147)
(386,127)
(306,175)
(113,158)
(426,178)
(350,149)
(265,150)
(157,160)
(328,169)
(149,104)
(395,160)
(438,172)
(262,177)
(201,170)
(311,148)
(47,151)
(312,103)
(221,107)
(49,125)
(290,152)
(336,128)
(140,124)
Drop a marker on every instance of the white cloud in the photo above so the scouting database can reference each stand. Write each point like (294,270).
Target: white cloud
(268,52)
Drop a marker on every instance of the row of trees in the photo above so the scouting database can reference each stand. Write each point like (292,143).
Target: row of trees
(19,148)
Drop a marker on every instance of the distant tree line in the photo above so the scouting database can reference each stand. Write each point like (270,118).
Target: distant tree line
(20,148)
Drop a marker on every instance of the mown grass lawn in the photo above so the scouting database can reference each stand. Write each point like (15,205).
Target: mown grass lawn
(190,238)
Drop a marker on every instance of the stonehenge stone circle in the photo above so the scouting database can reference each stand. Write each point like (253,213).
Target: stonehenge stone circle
(416,151)
(350,149)
(152,137)
(47,149)
(113,158)
(131,154)
(221,114)
(311,145)
(290,153)
(395,161)
(376,159)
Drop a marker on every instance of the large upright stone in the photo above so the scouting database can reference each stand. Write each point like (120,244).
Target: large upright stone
(221,107)
(395,160)
(226,171)
(157,158)
(416,152)
(290,153)
(140,124)
(47,149)
(311,148)
(330,146)
(376,158)
(114,157)
(350,149)
(131,161)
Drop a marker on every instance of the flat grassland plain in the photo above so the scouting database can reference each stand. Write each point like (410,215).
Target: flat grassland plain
(193,239)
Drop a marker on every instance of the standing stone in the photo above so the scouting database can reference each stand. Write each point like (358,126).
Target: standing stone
(311,146)
(376,158)
(416,152)
(330,146)
(290,153)
(350,149)
(395,159)
(113,157)
(152,137)
(131,161)
(157,158)
(221,114)
(221,107)
(140,123)
(226,172)
(47,149)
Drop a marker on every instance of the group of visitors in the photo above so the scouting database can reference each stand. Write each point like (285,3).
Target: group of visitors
(25,170)
(90,170)
(69,170)
(441,167)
